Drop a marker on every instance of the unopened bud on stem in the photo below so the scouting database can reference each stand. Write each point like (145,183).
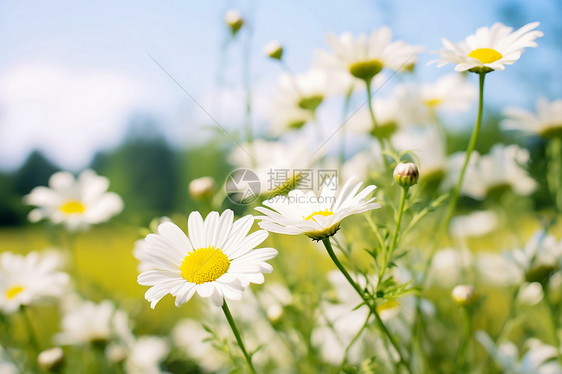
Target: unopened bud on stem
(406,174)
(234,20)
(51,359)
(274,49)
(463,295)
(202,188)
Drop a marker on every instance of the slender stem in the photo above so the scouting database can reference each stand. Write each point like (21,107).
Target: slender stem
(466,338)
(346,104)
(367,301)
(388,256)
(236,332)
(453,201)
(554,170)
(33,341)
(510,314)
(374,120)
(376,232)
(456,192)
(352,342)
(554,317)
(70,244)
(247,81)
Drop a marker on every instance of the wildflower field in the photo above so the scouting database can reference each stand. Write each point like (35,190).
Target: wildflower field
(398,210)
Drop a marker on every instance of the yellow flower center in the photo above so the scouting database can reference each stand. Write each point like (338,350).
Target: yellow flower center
(13,292)
(72,207)
(204,265)
(485,55)
(433,103)
(324,213)
(387,305)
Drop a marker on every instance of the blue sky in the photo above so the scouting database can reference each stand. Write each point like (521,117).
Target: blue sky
(72,74)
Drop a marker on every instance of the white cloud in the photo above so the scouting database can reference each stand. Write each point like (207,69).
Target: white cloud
(68,113)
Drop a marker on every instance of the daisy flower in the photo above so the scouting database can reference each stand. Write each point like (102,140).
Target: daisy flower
(299,96)
(489,48)
(495,172)
(547,122)
(25,280)
(388,113)
(541,257)
(366,56)
(540,358)
(317,216)
(76,203)
(429,147)
(145,355)
(451,93)
(87,322)
(278,166)
(217,260)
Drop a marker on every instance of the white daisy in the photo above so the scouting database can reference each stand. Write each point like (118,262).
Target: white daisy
(449,267)
(489,48)
(145,355)
(547,122)
(499,170)
(278,166)
(77,203)
(217,260)
(541,256)
(388,114)
(317,216)
(88,322)
(365,56)
(429,147)
(25,280)
(451,93)
(191,338)
(475,224)
(540,358)
(299,96)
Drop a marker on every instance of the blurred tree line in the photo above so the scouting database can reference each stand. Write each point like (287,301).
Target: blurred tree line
(153,178)
(150,175)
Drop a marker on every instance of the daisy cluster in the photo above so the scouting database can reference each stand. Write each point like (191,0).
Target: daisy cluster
(312,257)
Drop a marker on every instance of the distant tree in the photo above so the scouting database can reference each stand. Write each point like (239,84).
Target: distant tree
(34,172)
(144,170)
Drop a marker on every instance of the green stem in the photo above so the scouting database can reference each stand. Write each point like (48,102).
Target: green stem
(367,301)
(510,314)
(236,332)
(554,316)
(374,120)
(346,104)
(33,341)
(352,342)
(554,171)
(452,202)
(456,192)
(388,256)
(466,338)
(375,230)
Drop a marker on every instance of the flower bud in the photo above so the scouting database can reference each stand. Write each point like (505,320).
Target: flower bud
(234,20)
(406,174)
(463,295)
(274,50)
(51,359)
(202,188)
(116,353)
